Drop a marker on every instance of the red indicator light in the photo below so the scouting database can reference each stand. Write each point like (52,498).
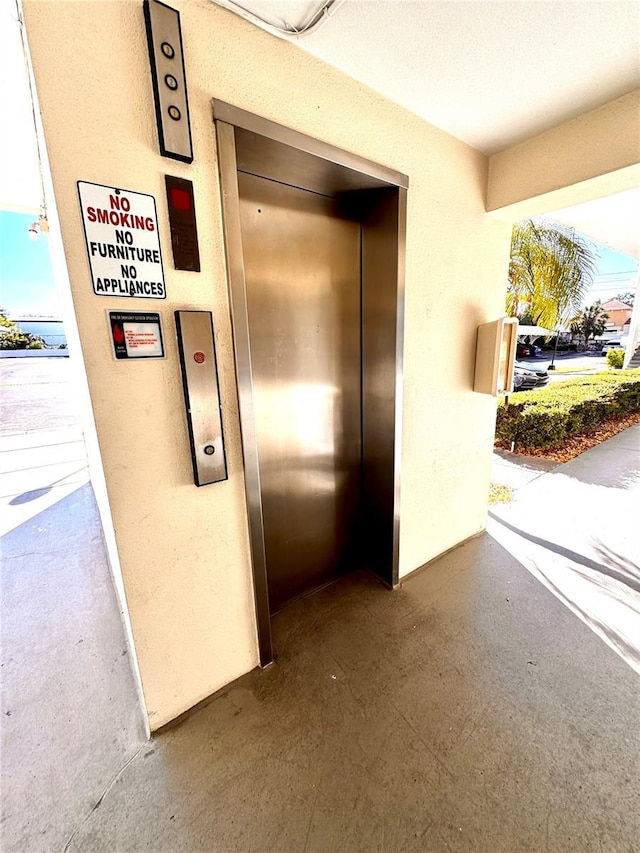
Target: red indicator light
(180,199)
(199,357)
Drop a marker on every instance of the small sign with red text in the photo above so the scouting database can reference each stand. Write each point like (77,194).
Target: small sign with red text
(135,334)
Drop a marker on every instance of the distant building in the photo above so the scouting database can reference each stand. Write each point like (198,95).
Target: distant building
(619,316)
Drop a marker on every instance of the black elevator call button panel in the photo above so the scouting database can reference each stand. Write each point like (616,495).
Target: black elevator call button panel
(164,39)
(182,221)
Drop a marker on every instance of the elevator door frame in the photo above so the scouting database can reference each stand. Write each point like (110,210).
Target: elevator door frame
(377,196)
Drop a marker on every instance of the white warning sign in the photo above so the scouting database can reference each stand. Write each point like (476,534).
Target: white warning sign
(136,335)
(123,245)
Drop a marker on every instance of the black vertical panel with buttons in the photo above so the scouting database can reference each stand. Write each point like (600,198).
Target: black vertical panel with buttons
(197,351)
(182,221)
(164,38)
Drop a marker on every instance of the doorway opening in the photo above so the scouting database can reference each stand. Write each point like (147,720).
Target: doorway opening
(314,239)
(73,710)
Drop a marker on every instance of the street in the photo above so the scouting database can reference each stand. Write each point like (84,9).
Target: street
(567,365)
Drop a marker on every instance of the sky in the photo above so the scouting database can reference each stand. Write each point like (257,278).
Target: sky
(26,276)
(616,273)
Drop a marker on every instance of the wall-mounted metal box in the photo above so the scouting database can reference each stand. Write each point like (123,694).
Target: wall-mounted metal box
(495,356)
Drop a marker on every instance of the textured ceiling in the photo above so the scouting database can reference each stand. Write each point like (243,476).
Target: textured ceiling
(490,73)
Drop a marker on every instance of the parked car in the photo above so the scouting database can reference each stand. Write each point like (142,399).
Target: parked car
(521,382)
(528,377)
(608,345)
(561,346)
(527,350)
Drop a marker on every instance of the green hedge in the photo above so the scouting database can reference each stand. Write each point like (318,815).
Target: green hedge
(545,417)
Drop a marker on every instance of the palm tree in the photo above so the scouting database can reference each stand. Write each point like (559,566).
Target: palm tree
(550,270)
(590,322)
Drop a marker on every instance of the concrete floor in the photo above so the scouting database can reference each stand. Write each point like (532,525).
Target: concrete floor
(470,710)
(467,711)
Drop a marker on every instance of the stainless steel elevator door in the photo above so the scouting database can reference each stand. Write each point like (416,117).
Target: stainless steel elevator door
(302,269)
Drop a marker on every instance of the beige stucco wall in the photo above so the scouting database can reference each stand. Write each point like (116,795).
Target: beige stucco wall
(183,550)
(591,156)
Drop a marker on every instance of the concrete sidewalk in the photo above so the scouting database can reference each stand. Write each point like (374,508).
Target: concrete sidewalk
(575,526)
(70,710)
(515,470)
(37,470)
(42,451)
(35,395)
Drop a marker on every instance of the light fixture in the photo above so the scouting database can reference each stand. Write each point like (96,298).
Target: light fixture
(327,9)
(41,226)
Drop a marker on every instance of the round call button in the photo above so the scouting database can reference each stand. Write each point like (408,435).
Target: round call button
(199,357)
